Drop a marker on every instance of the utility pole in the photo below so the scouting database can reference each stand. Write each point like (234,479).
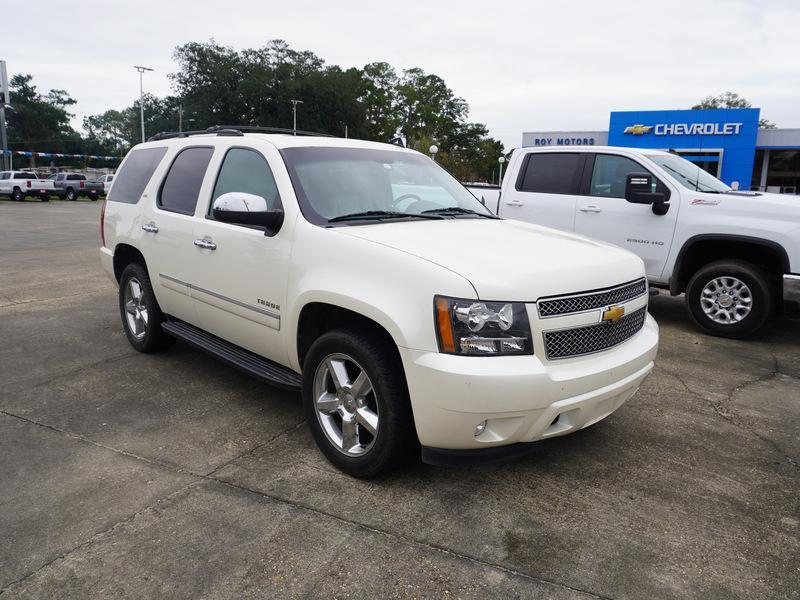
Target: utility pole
(294,114)
(180,118)
(141,95)
(4,99)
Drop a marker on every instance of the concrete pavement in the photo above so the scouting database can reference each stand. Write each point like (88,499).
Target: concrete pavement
(125,475)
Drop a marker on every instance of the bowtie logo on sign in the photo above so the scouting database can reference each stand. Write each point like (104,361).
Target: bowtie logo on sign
(638,129)
(685,129)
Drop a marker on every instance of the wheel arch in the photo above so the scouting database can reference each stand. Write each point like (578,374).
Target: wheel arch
(125,254)
(317,317)
(702,249)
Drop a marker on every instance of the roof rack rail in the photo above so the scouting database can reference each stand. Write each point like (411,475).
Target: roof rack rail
(232,130)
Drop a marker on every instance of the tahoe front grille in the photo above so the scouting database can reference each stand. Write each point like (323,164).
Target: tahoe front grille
(564,305)
(563,343)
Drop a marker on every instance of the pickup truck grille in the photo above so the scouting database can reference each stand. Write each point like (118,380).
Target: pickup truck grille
(563,343)
(563,305)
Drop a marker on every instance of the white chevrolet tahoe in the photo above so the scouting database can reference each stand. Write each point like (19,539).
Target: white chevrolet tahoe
(365,276)
(736,255)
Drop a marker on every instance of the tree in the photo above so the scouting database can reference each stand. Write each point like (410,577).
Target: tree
(730,100)
(39,123)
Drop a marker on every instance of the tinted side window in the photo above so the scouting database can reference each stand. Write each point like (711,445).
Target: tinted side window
(135,174)
(550,173)
(26,176)
(610,172)
(76,177)
(246,171)
(182,185)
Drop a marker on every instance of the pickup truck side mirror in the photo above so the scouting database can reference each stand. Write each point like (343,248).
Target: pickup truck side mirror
(247,209)
(639,190)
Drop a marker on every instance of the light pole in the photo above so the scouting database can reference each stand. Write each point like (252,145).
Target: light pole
(501,160)
(180,118)
(141,94)
(433,150)
(294,114)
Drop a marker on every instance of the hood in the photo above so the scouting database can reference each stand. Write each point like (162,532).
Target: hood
(508,260)
(760,203)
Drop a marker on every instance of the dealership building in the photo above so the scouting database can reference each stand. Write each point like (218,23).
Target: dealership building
(725,142)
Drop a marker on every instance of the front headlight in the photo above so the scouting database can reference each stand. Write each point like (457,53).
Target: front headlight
(478,328)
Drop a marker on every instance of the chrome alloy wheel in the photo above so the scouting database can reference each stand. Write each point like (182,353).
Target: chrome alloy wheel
(346,404)
(135,308)
(726,300)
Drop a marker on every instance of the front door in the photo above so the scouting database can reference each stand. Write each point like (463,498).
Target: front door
(240,285)
(603,213)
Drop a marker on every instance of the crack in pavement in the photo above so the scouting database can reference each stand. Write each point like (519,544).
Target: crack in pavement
(729,415)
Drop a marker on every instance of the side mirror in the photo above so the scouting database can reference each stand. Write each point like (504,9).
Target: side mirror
(639,190)
(246,209)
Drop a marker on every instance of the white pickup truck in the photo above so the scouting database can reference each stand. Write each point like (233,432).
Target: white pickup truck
(19,185)
(367,277)
(736,255)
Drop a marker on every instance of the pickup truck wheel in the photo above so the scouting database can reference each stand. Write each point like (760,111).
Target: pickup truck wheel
(71,195)
(17,195)
(356,403)
(730,298)
(141,315)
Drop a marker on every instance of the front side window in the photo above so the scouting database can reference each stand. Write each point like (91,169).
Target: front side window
(135,174)
(246,171)
(688,174)
(611,171)
(334,183)
(4,175)
(181,187)
(550,173)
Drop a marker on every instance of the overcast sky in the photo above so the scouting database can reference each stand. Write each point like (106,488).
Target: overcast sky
(521,65)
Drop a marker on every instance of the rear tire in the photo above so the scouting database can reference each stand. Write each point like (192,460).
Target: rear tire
(140,313)
(371,419)
(17,195)
(730,298)
(71,195)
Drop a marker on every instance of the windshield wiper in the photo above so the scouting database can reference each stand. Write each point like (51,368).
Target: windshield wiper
(379,214)
(457,210)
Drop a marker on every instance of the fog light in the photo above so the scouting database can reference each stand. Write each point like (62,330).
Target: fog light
(480,428)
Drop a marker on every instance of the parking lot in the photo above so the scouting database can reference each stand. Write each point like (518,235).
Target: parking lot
(129,475)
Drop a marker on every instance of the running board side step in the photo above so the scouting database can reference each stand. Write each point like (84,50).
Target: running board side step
(244,360)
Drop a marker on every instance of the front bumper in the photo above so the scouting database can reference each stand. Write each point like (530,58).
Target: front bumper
(791,293)
(522,398)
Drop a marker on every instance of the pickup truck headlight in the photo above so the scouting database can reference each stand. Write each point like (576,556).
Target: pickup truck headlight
(477,328)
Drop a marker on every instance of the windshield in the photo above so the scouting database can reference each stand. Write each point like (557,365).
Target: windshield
(333,184)
(688,174)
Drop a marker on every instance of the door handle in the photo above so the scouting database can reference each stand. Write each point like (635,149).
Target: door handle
(205,244)
(150,227)
(590,209)
(514,203)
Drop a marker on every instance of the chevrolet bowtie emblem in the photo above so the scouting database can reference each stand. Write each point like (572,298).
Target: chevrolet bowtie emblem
(638,129)
(613,314)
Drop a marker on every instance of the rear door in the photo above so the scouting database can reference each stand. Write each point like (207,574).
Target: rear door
(168,231)
(545,189)
(240,282)
(603,213)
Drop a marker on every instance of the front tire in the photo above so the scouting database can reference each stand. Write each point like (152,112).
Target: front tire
(355,400)
(730,298)
(141,315)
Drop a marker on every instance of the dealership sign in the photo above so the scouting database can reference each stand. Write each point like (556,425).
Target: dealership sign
(685,129)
